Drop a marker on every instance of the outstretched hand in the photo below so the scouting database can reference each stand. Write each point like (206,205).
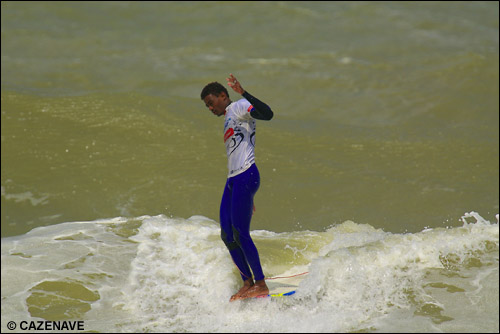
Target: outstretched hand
(235,84)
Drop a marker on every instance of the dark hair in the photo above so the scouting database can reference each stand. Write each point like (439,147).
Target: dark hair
(213,88)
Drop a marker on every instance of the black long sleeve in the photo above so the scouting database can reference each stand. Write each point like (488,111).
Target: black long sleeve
(260,110)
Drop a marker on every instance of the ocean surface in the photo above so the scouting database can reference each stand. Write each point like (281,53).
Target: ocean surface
(379,171)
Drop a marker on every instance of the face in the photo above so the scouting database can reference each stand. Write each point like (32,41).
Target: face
(217,104)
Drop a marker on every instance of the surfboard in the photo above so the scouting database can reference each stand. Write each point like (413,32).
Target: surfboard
(282,287)
(289,293)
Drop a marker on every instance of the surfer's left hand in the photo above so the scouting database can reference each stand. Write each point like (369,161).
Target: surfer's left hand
(235,84)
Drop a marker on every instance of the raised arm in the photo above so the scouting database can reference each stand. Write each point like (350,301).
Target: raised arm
(260,110)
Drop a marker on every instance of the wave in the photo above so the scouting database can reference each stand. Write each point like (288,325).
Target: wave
(162,274)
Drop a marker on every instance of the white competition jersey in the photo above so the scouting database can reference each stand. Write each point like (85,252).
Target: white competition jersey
(239,137)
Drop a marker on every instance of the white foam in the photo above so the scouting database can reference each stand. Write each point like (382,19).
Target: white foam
(182,277)
(163,274)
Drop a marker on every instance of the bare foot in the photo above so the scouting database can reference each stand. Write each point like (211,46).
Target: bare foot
(246,285)
(259,289)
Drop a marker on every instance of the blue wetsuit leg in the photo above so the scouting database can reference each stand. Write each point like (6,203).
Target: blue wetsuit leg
(227,232)
(235,216)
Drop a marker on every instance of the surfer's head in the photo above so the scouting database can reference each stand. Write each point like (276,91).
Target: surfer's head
(216,98)
(213,88)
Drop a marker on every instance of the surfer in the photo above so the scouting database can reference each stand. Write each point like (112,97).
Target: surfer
(243,179)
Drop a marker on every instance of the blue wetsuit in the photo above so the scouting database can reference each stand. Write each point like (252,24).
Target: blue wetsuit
(235,216)
(243,182)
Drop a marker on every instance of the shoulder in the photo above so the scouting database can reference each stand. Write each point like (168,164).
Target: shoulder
(243,104)
(241,108)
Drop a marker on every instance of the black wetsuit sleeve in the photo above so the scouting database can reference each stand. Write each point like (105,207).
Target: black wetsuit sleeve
(260,110)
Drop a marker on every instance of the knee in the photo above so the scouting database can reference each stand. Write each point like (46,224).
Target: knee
(240,236)
(230,243)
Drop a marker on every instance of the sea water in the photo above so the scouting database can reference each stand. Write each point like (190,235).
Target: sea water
(379,170)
